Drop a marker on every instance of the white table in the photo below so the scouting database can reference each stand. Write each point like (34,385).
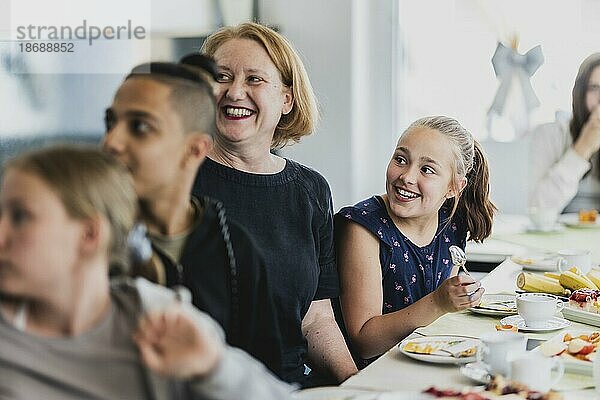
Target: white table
(394,371)
(511,237)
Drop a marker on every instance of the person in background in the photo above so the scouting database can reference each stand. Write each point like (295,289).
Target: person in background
(264,102)
(160,125)
(396,272)
(564,159)
(66,333)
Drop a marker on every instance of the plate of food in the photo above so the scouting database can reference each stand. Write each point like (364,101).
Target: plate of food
(496,304)
(441,349)
(584,219)
(537,261)
(553,324)
(498,388)
(584,307)
(339,393)
(577,349)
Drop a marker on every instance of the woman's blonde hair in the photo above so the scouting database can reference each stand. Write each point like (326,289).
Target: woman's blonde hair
(89,183)
(302,119)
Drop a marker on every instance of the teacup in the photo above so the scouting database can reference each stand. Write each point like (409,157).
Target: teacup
(537,308)
(568,258)
(495,347)
(543,218)
(535,370)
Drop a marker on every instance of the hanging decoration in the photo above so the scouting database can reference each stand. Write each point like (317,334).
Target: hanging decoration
(515,98)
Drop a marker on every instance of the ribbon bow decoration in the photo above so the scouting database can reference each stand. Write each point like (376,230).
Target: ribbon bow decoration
(509,65)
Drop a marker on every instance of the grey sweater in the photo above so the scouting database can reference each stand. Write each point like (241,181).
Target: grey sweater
(104,363)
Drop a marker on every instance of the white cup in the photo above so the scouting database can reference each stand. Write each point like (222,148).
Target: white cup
(543,218)
(537,308)
(535,370)
(496,345)
(568,258)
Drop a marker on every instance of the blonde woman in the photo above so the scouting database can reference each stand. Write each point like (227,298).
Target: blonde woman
(264,102)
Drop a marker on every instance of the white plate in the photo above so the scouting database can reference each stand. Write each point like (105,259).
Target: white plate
(338,393)
(477,372)
(556,228)
(572,221)
(439,358)
(536,262)
(489,299)
(551,325)
(575,314)
(572,364)
(333,393)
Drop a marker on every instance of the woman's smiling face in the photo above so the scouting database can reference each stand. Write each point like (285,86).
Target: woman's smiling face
(250,94)
(419,175)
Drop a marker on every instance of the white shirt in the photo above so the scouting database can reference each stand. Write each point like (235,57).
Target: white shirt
(556,170)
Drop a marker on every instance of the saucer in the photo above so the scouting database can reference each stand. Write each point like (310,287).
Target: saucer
(557,227)
(572,221)
(552,324)
(477,372)
(536,261)
(496,305)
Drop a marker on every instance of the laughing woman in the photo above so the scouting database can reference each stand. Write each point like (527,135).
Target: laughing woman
(66,333)
(265,101)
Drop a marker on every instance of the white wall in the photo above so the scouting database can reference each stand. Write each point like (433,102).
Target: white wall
(347,48)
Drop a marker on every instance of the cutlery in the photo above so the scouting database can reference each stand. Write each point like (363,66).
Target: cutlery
(458,348)
(499,305)
(459,259)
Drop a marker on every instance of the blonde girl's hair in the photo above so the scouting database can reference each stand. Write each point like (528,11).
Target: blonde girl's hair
(303,117)
(90,183)
(473,203)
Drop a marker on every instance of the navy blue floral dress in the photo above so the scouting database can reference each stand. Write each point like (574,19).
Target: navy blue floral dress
(409,272)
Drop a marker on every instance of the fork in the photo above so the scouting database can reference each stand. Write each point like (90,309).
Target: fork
(459,259)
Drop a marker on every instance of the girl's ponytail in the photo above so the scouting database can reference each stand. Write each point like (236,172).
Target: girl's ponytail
(474,203)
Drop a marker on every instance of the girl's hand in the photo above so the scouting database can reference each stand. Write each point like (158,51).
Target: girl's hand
(453,293)
(588,142)
(171,344)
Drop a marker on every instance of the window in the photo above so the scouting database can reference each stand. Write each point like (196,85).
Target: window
(448,46)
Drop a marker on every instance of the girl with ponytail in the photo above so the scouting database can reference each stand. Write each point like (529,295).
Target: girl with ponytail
(395,267)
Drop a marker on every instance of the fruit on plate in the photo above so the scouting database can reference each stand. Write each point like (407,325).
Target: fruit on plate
(594,276)
(588,216)
(586,300)
(552,275)
(530,282)
(580,346)
(498,388)
(553,347)
(512,328)
(574,281)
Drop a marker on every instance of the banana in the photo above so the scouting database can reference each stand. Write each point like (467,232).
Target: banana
(538,283)
(574,281)
(594,276)
(552,275)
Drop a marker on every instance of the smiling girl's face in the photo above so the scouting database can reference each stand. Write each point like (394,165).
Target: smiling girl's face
(419,175)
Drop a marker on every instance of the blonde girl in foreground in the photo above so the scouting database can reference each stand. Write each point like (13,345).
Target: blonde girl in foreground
(66,333)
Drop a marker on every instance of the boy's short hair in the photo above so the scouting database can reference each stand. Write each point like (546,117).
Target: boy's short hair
(191,91)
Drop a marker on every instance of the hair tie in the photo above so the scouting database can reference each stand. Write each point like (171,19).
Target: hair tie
(140,248)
